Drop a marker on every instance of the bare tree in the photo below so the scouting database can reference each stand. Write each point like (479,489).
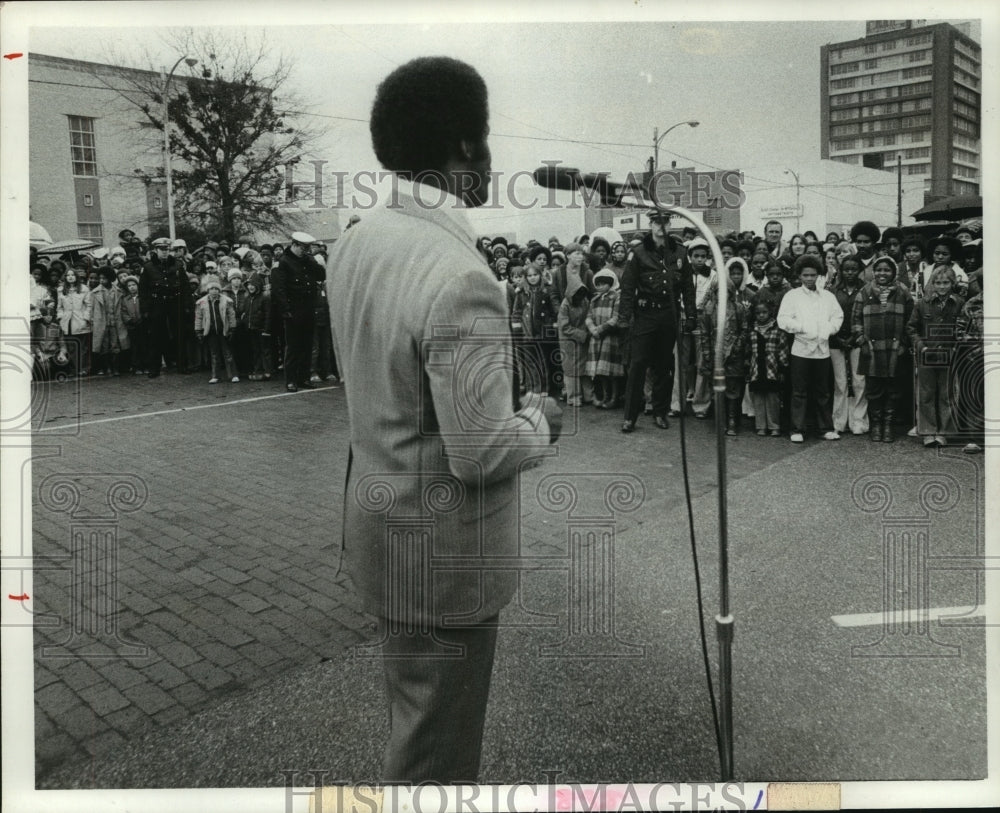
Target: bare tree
(234,125)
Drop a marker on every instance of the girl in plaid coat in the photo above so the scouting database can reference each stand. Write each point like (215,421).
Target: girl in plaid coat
(734,346)
(605,361)
(767,367)
(880,315)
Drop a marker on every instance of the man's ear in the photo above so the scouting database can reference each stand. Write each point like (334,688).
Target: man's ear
(466,149)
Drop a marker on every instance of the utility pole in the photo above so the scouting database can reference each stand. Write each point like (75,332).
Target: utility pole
(899,190)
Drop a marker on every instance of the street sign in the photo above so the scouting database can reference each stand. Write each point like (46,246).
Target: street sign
(779,212)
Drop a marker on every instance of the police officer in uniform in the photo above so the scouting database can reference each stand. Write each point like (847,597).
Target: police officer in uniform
(162,285)
(293,293)
(656,277)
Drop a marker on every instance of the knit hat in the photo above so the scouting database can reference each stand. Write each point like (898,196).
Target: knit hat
(698,242)
(607,275)
(257,281)
(740,262)
(886,260)
(233,274)
(499,250)
(210,281)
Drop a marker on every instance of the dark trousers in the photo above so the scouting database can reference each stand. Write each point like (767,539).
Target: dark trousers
(262,359)
(322,362)
(298,346)
(437,702)
(811,379)
(652,343)
(163,334)
(139,345)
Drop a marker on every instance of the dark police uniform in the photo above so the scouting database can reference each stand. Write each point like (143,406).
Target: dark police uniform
(293,295)
(162,286)
(653,285)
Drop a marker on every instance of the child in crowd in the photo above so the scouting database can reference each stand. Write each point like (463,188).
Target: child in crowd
(536,309)
(131,315)
(910,272)
(75,312)
(605,364)
(767,367)
(970,390)
(573,338)
(698,384)
(50,362)
(214,321)
(108,331)
(240,341)
(881,313)
(258,324)
(812,316)
(931,330)
(734,346)
(850,405)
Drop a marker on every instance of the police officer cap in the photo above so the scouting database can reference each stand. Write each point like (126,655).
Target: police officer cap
(698,242)
(178,243)
(657,214)
(302,237)
(161,242)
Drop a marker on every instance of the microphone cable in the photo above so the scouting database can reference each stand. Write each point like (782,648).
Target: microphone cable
(682,403)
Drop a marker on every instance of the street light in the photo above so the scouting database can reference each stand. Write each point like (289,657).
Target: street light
(191,62)
(798,211)
(657,138)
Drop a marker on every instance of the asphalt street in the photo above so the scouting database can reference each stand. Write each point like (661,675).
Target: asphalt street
(227,651)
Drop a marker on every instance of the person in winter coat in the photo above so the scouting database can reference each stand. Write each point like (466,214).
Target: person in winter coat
(131,315)
(880,315)
(573,340)
(536,308)
(605,364)
(767,367)
(734,346)
(240,340)
(258,322)
(931,331)
(850,404)
(970,397)
(109,334)
(214,322)
(75,313)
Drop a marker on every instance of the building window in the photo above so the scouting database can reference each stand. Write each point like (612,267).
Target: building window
(919,40)
(157,202)
(88,200)
(81,139)
(839,84)
(890,45)
(920,56)
(90,231)
(871,64)
(918,169)
(920,135)
(872,160)
(870,49)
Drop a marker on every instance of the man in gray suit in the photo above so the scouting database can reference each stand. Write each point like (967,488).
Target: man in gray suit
(421,331)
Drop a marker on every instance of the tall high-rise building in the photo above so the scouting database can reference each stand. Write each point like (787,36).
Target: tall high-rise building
(906,90)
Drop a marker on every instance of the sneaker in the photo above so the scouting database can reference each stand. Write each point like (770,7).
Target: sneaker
(236,379)
(940,440)
(213,381)
(831,435)
(930,440)
(315,379)
(762,432)
(972,448)
(330,377)
(775,433)
(797,437)
(912,433)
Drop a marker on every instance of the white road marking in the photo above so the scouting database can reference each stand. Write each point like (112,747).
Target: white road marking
(181,409)
(907,616)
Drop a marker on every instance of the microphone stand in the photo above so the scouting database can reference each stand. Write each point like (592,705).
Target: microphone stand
(724,620)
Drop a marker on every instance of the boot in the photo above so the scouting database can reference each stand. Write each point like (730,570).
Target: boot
(888,431)
(875,422)
(732,417)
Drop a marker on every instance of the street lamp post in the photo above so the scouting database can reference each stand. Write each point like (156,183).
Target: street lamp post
(657,138)
(166,138)
(798,210)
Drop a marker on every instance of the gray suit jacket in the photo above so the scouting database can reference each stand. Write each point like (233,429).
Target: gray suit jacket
(421,333)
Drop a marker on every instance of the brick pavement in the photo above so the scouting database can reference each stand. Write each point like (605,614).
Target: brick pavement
(227,574)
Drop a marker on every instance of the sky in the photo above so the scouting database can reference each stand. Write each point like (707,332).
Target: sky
(588,94)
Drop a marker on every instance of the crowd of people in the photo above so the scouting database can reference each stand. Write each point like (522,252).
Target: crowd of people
(858,333)
(241,311)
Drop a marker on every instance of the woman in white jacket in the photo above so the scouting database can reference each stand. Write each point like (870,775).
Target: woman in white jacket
(75,315)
